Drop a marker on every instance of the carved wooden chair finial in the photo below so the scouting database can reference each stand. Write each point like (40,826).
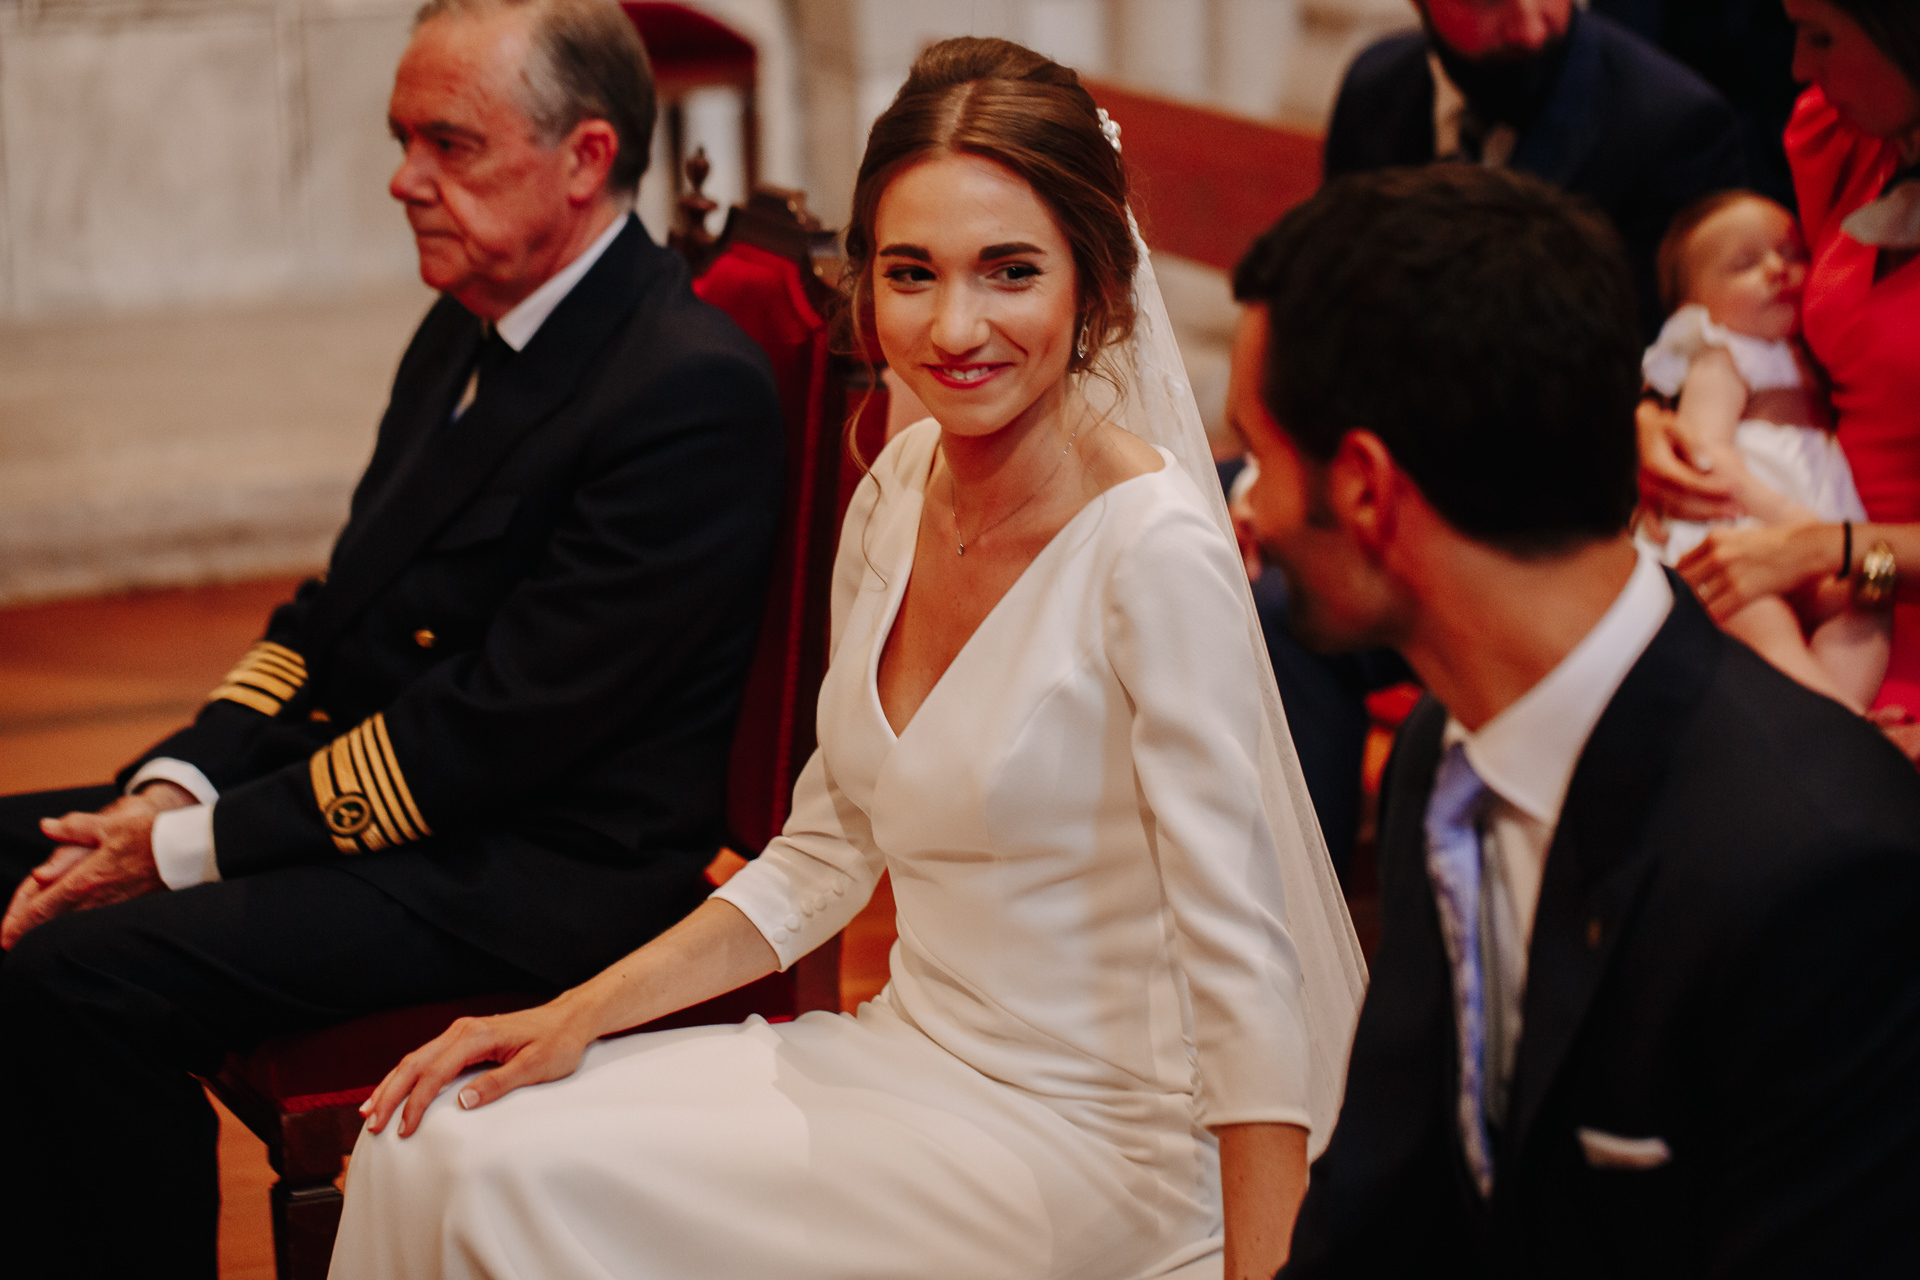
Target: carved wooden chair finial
(691,236)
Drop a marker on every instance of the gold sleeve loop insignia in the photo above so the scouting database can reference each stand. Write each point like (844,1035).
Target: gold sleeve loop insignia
(362,794)
(266,677)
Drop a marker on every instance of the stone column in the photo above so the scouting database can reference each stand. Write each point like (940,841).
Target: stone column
(1253,52)
(1165,46)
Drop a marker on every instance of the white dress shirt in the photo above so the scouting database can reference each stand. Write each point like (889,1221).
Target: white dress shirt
(1526,756)
(183,838)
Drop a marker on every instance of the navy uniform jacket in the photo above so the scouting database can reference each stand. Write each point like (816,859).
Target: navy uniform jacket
(508,703)
(1726,957)
(1626,126)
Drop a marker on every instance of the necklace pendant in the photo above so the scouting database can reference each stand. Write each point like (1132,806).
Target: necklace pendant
(962,549)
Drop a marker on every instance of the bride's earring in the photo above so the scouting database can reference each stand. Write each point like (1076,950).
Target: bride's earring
(1080,345)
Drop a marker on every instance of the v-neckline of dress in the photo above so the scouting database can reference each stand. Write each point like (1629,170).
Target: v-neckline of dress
(897,595)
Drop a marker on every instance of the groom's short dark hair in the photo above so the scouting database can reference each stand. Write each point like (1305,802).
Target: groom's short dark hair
(1482,324)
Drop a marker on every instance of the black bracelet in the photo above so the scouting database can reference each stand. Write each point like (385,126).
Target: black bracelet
(1846,548)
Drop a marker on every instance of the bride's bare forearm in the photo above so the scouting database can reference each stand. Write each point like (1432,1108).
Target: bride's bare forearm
(1263,1178)
(707,954)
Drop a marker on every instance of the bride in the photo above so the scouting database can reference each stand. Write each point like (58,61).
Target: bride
(1124,981)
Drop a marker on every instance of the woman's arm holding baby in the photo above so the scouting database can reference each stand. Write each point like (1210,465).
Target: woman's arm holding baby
(1734,567)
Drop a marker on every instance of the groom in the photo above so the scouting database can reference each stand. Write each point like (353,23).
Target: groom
(1647,999)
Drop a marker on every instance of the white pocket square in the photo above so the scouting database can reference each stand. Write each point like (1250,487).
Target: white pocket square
(1611,1151)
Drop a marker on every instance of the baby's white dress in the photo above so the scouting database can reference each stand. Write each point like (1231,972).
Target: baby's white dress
(1092,965)
(1802,463)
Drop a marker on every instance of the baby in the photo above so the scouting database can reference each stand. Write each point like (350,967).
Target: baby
(1751,409)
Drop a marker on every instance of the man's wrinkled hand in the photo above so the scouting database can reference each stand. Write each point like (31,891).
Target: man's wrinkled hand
(102,858)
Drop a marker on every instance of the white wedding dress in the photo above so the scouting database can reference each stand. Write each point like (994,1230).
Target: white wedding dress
(1093,964)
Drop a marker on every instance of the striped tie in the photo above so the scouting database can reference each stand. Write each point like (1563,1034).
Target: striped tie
(1453,865)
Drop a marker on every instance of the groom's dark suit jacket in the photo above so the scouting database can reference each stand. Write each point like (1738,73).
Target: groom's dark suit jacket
(1626,126)
(509,700)
(1726,957)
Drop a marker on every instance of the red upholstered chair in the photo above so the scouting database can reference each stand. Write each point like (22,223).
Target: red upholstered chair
(300,1094)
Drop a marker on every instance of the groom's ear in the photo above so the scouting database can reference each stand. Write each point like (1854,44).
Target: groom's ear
(1366,490)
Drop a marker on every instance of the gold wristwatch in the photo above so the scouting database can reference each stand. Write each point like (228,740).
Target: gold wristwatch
(1874,584)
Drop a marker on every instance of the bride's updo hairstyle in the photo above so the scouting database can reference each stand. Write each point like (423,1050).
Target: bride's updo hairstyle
(1006,103)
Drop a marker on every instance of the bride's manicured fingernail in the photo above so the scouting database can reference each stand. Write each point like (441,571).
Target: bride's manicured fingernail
(469,1099)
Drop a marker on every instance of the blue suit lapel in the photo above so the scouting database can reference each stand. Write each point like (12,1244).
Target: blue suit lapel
(1599,860)
(442,465)
(1559,142)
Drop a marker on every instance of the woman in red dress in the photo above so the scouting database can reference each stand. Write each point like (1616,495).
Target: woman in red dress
(1854,146)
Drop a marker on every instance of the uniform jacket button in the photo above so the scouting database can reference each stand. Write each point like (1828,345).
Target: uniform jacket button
(424,638)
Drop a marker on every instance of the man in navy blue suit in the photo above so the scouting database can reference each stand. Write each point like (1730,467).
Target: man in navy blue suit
(1647,995)
(1562,94)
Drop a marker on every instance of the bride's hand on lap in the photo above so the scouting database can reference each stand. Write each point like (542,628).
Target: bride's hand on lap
(530,1046)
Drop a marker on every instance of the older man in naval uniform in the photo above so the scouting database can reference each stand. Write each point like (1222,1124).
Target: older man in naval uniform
(487,749)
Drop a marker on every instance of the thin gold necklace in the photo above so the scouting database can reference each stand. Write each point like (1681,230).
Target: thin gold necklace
(953,494)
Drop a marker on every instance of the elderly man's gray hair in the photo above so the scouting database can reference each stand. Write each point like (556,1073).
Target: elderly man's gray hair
(585,62)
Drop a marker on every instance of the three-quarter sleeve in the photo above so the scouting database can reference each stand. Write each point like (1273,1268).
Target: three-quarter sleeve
(1180,644)
(815,875)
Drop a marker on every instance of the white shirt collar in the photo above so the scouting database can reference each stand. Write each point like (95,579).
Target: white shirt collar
(1526,754)
(517,327)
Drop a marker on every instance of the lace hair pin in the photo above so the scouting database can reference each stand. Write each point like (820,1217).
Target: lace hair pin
(1108,129)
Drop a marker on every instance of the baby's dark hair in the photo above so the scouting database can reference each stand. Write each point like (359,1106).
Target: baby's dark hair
(1670,260)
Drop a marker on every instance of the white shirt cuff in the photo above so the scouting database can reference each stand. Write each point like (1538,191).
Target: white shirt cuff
(183,846)
(178,772)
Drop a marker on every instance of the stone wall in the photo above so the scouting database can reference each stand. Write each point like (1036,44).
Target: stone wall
(204,286)
(159,153)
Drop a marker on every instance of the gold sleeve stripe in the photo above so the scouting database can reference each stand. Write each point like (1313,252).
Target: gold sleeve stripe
(378,722)
(324,795)
(265,677)
(269,652)
(265,704)
(362,795)
(383,829)
(273,671)
(271,685)
(392,816)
